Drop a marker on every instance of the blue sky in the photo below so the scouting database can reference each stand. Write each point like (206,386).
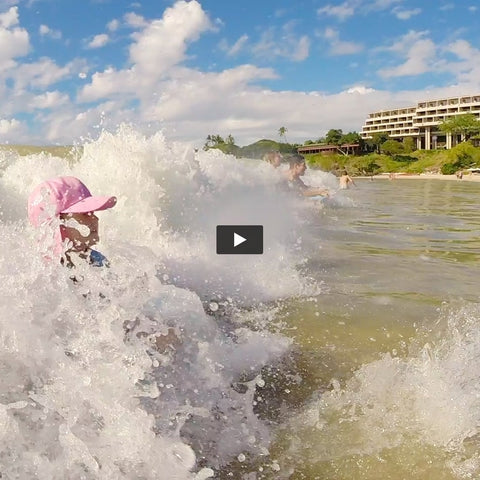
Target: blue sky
(192,68)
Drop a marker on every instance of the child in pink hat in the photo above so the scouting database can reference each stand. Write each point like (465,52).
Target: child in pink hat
(68,201)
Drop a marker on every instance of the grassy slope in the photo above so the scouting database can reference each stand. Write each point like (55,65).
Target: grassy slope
(415,162)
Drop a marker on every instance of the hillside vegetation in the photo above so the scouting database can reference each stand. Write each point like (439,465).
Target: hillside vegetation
(256,149)
(461,157)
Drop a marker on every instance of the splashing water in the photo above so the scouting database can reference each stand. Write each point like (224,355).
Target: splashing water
(402,411)
(123,375)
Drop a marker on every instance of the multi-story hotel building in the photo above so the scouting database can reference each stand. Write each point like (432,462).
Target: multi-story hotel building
(421,122)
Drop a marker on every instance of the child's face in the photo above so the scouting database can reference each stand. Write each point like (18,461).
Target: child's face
(81,229)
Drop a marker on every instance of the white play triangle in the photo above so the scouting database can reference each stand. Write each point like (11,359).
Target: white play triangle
(238,239)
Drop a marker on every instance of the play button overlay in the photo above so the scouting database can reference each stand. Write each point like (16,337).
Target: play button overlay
(239,239)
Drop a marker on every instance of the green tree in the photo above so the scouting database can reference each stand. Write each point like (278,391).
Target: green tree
(351,137)
(391,147)
(408,144)
(213,141)
(378,138)
(334,136)
(208,142)
(461,156)
(282,131)
(465,125)
(464,155)
(448,169)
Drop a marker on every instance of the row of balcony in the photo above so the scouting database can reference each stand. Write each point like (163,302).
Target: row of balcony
(452,111)
(392,131)
(393,113)
(450,101)
(417,121)
(389,126)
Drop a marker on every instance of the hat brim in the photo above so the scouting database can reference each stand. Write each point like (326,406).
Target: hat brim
(91,204)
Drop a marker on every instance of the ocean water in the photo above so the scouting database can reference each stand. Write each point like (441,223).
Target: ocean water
(347,350)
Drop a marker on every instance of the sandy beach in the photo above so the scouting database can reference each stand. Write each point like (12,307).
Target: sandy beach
(426,176)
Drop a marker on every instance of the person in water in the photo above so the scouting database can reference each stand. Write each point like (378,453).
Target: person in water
(297,169)
(66,205)
(345,181)
(274,158)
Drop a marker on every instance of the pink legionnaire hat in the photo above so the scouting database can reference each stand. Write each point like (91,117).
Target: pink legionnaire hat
(63,195)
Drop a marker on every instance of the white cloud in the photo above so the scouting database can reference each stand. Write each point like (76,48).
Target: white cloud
(111,82)
(113,25)
(339,47)
(84,123)
(473,8)
(9,18)
(163,43)
(48,100)
(419,53)
(236,47)
(402,14)
(283,42)
(195,96)
(10,127)
(46,31)
(302,49)
(467,68)
(380,4)
(342,11)
(349,8)
(14,42)
(99,41)
(361,89)
(135,21)
(40,74)
(462,49)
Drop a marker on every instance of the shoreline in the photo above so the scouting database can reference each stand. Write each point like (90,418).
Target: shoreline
(423,176)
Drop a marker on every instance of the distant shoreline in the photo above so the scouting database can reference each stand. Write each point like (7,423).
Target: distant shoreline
(424,176)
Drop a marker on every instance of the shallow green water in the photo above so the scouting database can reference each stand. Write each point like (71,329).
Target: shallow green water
(390,347)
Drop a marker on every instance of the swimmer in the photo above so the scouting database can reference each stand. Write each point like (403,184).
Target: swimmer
(274,158)
(297,169)
(345,181)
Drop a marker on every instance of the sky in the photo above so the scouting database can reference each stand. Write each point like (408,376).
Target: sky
(70,68)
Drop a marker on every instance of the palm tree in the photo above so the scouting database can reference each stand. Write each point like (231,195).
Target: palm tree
(282,131)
